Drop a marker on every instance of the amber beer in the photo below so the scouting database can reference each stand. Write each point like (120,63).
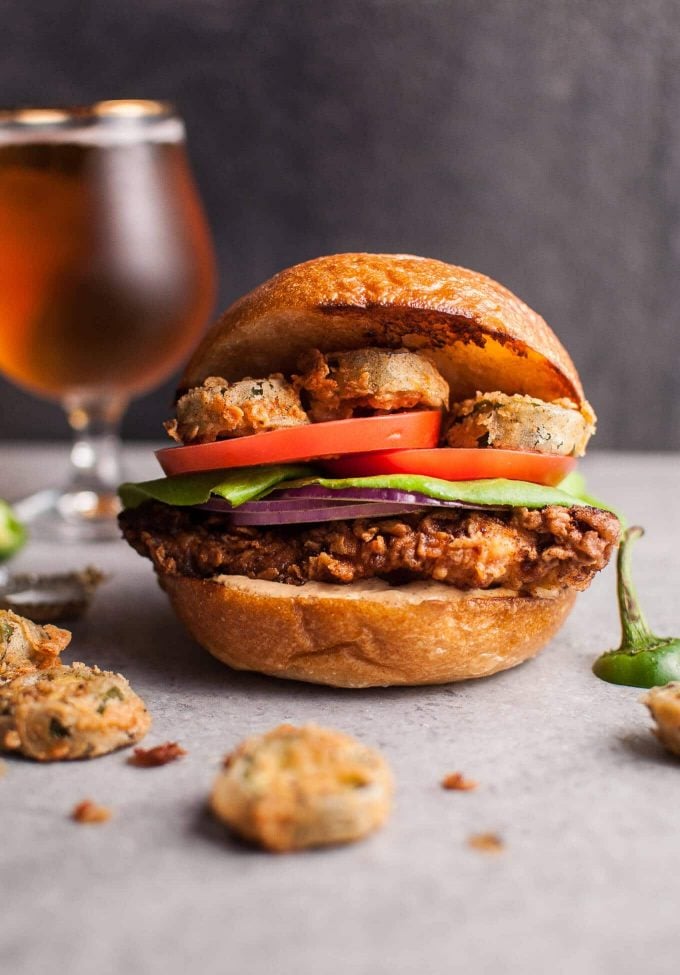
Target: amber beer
(106,267)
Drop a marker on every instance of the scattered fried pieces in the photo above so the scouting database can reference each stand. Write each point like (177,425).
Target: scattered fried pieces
(664,704)
(340,385)
(163,754)
(70,712)
(520,423)
(219,410)
(293,788)
(10,741)
(458,782)
(89,812)
(50,711)
(26,647)
(486,843)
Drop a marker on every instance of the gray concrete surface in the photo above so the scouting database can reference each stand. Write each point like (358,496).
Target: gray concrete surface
(571,779)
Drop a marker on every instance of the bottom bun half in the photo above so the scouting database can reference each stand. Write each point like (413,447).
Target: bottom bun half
(366,634)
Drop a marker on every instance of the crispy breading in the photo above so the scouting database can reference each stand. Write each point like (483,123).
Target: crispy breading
(219,410)
(90,812)
(457,782)
(293,788)
(70,712)
(340,385)
(522,550)
(520,423)
(664,704)
(486,843)
(25,646)
(169,751)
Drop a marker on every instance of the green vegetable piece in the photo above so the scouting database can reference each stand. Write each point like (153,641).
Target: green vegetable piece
(111,693)
(235,486)
(495,492)
(253,483)
(575,484)
(12,532)
(57,730)
(643,659)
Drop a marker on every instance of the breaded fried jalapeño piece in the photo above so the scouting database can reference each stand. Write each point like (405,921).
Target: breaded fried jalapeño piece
(664,704)
(293,788)
(70,712)
(219,410)
(520,423)
(25,646)
(339,384)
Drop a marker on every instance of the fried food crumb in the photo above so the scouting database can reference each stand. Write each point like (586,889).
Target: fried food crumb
(11,741)
(70,712)
(3,769)
(520,423)
(340,385)
(458,782)
(293,788)
(219,410)
(26,647)
(486,843)
(89,812)
(664,705)
(163,754)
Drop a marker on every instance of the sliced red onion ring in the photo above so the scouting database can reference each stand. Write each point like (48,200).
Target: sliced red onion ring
(391,495)
(298,499)
(315,503)
(269,504)
(335,512)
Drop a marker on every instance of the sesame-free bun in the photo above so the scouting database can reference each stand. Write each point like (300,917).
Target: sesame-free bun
(365,634)
(480,335)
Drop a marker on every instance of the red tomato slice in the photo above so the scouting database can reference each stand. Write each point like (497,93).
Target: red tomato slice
(456,464)
(365,433)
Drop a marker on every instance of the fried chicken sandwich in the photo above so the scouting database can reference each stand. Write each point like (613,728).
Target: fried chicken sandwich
(373,479)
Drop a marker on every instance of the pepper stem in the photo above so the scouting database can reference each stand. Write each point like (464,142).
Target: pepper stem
(635,631)
(643,659)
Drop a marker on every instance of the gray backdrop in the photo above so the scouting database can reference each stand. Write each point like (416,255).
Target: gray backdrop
(535,140)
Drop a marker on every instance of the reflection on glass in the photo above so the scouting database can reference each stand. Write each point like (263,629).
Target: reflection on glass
(106,279)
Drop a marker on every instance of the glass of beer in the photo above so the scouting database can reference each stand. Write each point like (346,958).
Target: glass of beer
(107,277)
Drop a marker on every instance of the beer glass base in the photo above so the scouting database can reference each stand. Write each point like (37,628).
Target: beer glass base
(85,508)
(70,516)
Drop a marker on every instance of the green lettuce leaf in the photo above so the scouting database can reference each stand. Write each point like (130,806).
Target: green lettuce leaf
(492,491)
(575,484)
(235,486)
(252,483)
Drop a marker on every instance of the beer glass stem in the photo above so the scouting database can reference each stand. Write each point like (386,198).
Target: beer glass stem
(89,502)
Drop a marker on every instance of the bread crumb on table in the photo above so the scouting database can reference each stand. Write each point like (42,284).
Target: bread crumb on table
(169,751)
(90,812)
(486,843)
(458,782)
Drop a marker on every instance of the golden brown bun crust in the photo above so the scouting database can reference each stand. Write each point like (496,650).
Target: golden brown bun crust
(482,337)
(366,634)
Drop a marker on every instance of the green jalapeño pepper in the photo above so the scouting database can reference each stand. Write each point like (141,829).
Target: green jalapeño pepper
(12,533)
(643,659)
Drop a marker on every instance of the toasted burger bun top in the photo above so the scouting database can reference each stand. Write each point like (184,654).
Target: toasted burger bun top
(480,335)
